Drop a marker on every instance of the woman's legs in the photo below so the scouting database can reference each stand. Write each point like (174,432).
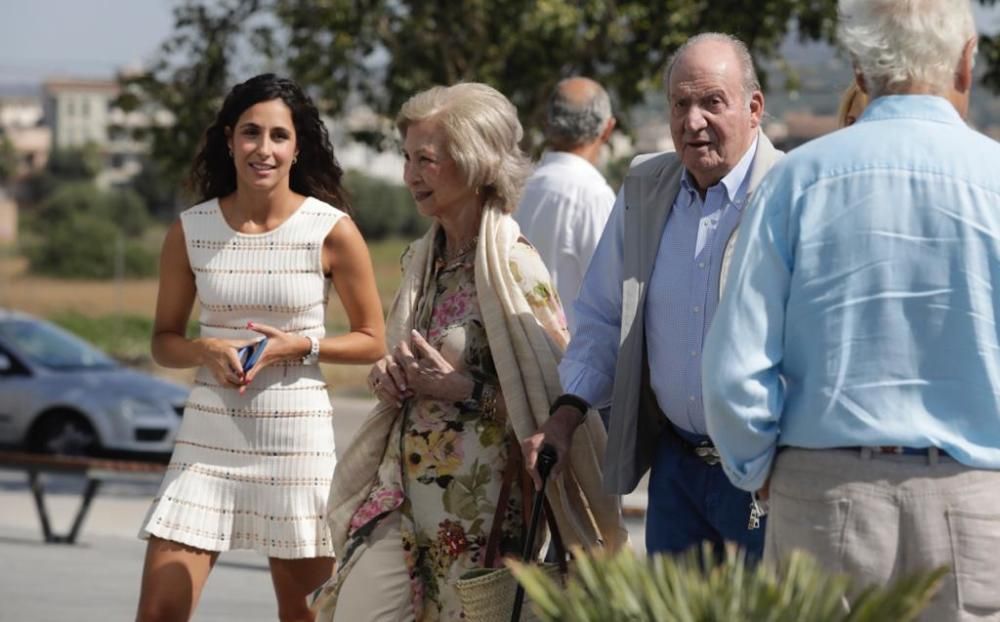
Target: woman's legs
(377,589)
(294,580)
(172,578)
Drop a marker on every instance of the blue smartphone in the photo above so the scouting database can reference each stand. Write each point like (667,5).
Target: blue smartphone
(249,355)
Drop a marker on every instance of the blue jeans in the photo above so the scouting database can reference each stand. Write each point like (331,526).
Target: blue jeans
(691,501)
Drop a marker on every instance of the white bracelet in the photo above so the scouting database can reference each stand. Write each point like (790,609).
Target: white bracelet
(313,357)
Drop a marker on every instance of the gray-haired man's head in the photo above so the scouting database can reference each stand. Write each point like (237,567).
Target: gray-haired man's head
(907,46)
(578,114)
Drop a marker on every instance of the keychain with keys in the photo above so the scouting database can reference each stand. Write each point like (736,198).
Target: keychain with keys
(758,509)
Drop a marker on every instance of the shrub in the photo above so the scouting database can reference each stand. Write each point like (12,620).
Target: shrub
(82,245)
(700,588)
(122,208)
(75,233)
(383,209)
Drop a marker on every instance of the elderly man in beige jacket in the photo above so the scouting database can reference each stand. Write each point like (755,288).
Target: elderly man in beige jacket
(649,295)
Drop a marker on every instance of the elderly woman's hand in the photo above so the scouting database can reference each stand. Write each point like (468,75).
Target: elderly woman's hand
(388,382)
(428,374)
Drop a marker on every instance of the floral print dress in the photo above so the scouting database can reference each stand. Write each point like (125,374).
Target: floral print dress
(445,461)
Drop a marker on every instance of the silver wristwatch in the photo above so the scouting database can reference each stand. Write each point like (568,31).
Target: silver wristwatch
(313,357)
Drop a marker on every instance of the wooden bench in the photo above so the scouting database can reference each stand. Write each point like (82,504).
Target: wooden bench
(94,470)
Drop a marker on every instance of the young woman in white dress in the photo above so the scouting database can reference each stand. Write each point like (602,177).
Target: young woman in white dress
(254,457)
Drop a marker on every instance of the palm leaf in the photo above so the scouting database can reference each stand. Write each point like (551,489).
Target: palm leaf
(702,587)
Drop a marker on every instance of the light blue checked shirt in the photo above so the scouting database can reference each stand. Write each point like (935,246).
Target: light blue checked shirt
(861,308)
(683,295)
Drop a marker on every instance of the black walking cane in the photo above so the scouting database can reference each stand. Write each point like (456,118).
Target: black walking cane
(546,460)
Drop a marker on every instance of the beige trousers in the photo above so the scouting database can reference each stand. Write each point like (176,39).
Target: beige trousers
(877,517)
(377,589)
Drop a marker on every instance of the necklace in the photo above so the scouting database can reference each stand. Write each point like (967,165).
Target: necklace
(447,258)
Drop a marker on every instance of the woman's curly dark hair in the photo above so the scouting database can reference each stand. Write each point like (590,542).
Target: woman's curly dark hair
(316,172)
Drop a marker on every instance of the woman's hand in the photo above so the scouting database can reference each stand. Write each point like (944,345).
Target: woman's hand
(280,346)
(388,382)
(428,374)
(219,357)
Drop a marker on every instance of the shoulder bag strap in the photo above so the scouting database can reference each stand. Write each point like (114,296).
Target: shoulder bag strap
(513,466)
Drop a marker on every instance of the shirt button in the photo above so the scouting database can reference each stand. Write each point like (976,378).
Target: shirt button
(694,353)
(695,309)
(701,264)
(690,398)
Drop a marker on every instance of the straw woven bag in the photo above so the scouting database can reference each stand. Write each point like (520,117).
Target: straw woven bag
(487,594)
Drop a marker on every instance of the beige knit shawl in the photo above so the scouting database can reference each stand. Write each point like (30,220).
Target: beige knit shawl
(526,360)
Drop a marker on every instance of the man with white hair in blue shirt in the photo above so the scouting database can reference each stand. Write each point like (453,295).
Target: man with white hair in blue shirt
(852,373)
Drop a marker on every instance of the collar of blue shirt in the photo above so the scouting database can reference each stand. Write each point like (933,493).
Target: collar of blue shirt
(735,182)
(928,107)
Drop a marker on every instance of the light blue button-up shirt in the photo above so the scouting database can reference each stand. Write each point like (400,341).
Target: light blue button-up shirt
(684,290)
(861,307)
(683,294)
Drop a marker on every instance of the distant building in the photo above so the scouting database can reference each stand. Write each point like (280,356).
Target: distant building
(21,122)
(81,112)
(355,155)
(78,111)
(20,111)
(32,145)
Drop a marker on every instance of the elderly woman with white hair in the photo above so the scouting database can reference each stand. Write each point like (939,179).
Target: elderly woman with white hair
(432,486)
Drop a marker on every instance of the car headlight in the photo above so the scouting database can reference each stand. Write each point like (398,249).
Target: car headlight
(135,408)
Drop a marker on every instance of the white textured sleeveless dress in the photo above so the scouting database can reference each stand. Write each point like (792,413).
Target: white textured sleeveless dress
(253,471)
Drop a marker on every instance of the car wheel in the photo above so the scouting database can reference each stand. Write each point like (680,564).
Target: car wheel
(63,433)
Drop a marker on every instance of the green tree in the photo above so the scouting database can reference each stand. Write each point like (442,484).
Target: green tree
(83,163)
(379,52)
(122,209)
(84,246)
(64,166)
(8,158)
(207,36)
(77,230)
(157,189)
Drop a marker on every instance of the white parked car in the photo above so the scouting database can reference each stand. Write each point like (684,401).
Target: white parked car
(59,394)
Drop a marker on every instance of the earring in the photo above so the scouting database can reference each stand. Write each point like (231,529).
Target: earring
(230,152)
(295,159)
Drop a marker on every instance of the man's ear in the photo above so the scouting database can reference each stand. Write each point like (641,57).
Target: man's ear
(609,129)
(963,73)
(859,79)
(756,108)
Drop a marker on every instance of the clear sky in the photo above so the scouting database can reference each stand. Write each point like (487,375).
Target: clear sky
(40,38)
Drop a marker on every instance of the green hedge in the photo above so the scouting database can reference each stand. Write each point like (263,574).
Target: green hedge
(383,209)
(78,230)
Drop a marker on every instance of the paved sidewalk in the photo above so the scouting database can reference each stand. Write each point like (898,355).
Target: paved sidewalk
(98,579)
